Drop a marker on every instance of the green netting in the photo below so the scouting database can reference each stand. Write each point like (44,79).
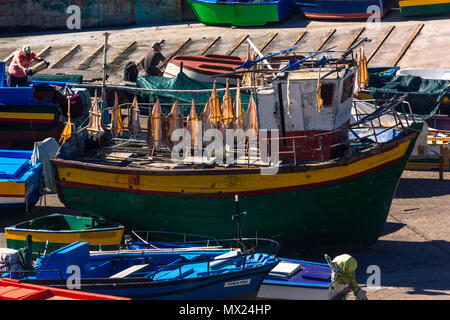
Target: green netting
(424,95)
(57,78)
(181,82)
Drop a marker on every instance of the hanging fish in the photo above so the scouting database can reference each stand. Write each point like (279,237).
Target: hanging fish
(194,124)
(205,117)
(240,116)
(156,138)
(251,116)
(117,122)
(227,109)
(95,126)
(175,121)
(288,89)
(67,132)
(216,112)
(319,94)
(358,73)
(364,71)
(134,126)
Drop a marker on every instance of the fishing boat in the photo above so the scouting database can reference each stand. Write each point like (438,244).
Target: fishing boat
(241,12)
(424,7)
(11,289)
(343,10)
(202,68)
(19,180)
(53,231)
(326,167)
(208,273)
(36,112)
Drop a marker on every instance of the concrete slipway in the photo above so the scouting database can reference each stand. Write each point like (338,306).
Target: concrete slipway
(413,253)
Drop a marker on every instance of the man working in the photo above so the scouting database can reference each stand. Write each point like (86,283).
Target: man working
(152,59)
(18,69)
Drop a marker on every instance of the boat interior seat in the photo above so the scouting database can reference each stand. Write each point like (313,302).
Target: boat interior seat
(129,271)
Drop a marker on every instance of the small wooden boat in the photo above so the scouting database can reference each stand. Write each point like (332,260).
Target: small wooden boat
(424,7)
(60,230)
(156,274)
(342,10)
(241,12)
(19,180)
(202,68)
(11,289)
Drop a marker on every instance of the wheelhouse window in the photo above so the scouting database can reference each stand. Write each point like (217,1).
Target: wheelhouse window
(327,94)
(347,88)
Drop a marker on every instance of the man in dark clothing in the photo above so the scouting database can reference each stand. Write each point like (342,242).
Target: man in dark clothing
(152,60)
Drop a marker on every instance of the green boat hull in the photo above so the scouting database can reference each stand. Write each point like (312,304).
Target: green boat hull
(426,10)
(237,15)
(345,214)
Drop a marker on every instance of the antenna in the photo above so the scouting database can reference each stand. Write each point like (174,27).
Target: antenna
(238,216)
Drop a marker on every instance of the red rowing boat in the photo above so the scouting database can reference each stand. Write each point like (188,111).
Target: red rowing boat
(202,68)
(11,289)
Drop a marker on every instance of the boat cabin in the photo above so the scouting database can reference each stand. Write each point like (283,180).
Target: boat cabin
(308,131)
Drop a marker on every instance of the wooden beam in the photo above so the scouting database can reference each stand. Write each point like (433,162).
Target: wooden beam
(131,45)
(296,40)
(65,56)
(354,37)
(387,33)
(44,52)
(85,63)
(268,41)
(9,58)
(178,49)
(237,44)
(208,46)
(407,44)
(325,39)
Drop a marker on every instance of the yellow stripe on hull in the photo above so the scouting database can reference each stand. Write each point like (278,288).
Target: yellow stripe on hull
(107,237)
(410,3)
(234,182)
(13,189)
(30,115)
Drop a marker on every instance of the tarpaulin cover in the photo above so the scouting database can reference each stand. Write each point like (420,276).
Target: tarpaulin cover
(424,95)
(181,82)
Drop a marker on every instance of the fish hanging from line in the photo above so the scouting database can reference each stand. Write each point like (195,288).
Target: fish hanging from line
(216,115)
(67,132)
(194,127)
(117,122)
(156,137)
(229,117)
(95,127)
(364,72)
(319,94)
(134,126)
(175,121)
(251,116)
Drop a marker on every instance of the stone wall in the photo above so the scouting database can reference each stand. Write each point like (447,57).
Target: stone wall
(27,15)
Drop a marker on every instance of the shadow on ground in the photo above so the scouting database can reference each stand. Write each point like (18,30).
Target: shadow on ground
(409,188)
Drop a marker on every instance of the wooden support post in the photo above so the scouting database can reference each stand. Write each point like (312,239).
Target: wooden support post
(237,44)
(354,37)
(407,45)
(85,63)
(131,45)
(208,46)
(387,33)
(66,55)
(325,39)
(268,41)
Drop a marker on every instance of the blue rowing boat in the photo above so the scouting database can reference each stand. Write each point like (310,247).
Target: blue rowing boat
(168,274)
